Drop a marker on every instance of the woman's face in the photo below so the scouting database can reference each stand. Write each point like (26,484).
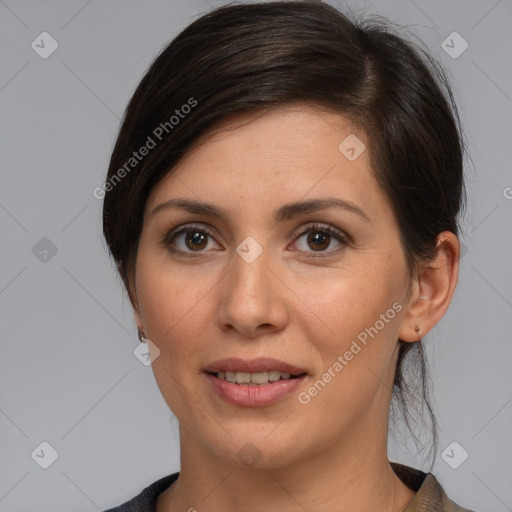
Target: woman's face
(271,250)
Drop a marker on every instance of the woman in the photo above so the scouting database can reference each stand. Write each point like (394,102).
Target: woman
(282,207)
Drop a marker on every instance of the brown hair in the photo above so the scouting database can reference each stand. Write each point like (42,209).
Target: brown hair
(256,57)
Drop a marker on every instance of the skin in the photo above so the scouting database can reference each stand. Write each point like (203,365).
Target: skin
(294,303)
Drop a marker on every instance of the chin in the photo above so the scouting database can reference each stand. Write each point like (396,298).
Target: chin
(257,451)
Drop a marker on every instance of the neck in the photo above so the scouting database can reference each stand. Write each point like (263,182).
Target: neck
(342,479)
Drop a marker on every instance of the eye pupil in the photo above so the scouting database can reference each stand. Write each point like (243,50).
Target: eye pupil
(196,240)
(318,241)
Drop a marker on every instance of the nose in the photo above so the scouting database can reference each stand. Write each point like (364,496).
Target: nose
(252,299)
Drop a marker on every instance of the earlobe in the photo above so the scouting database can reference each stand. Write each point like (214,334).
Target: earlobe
(433,290)
(141,333)
(411,332)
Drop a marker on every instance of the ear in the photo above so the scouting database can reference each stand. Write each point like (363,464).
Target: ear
(432,290)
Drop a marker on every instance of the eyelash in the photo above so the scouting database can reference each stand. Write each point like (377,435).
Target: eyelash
(339,236)
(167,241)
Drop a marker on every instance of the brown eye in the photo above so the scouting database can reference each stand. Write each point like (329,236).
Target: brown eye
(189,240)
(196,240)
(319,241)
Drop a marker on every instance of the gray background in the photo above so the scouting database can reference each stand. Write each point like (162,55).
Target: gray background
(68,373)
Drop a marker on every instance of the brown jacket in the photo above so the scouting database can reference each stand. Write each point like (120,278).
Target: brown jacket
(429,497)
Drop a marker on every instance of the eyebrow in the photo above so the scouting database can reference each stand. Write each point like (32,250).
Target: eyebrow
(285,212)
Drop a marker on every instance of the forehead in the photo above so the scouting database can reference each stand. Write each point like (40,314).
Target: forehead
(273,157)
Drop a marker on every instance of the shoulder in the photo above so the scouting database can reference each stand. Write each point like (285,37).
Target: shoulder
(430,495)
(145,501)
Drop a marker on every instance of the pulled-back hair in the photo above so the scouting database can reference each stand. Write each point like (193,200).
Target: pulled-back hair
(258,57)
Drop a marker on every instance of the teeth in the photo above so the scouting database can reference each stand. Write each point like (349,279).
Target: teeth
(274,375)
(253,379)
(259,378)
(242,377)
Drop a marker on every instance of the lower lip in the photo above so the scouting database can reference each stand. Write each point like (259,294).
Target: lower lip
(244,395)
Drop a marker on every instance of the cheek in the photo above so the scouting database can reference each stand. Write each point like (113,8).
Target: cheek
(176,316)
(174,306)
(339,307)
(355,344)
(353,331)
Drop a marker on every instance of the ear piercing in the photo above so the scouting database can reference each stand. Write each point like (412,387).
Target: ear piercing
(417,329)
(141,335)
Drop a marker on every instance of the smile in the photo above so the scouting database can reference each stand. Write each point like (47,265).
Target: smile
(253,383)
(255,379)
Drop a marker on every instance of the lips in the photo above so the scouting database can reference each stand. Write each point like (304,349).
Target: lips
(261,364)
(255,382)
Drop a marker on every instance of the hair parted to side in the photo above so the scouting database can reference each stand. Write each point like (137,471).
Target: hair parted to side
(258,57)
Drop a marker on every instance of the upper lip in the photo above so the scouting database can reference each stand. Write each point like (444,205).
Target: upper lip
(260,364)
